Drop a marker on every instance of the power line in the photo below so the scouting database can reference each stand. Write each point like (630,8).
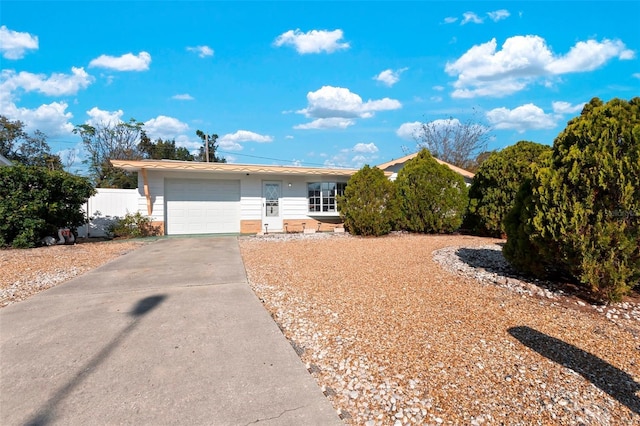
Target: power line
(274,159)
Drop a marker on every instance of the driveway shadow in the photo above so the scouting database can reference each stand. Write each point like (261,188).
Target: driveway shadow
(611,380)
(47,413)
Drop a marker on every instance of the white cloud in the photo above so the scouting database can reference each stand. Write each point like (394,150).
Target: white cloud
(126,62)
(229,145)
(470,17)
(51,119)
(164,127)
(338,107)
(366,148)
(182,97)
(355,157)
(314,41)
(390,77)
(99,117)
(450,19)
(435,98)
(485,71)
(438,88)
(55,85)
(231,158)
(589,55)
(289,137)
(185,141)
(636,75)
(202,51)
(498,15)
(409,130)
(14,44)
(326,123)
(231,141)
(561,107)
(525,117)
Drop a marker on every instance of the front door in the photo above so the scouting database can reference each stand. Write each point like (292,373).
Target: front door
(271,212)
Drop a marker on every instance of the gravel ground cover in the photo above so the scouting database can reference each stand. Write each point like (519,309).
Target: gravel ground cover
(27,272)
(411,329)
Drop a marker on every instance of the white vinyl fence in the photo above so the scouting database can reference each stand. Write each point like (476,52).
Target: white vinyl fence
(104,208)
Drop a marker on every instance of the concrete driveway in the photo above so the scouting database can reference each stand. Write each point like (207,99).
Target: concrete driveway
(168,334)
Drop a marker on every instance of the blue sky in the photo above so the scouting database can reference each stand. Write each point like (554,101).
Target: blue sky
(337,84)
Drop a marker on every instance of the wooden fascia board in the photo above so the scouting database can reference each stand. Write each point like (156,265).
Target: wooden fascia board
(170,166)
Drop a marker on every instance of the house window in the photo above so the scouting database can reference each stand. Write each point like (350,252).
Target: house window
(322,196)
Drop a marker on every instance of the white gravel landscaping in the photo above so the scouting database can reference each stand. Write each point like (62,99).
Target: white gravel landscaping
(401,330)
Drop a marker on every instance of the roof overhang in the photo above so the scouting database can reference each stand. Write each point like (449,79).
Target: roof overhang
(196,166)
(465,173)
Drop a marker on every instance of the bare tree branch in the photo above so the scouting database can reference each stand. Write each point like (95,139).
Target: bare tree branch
(452,141)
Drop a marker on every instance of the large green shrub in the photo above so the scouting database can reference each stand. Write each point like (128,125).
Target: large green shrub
(496,184)
(431,196)
(368,205)
(581,215)
(35,202)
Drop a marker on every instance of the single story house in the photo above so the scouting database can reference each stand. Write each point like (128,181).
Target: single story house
(4,161)
(186,197)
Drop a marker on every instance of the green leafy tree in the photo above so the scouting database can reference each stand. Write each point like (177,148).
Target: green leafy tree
(496,184)
(30,150)
(35,202)
(581,214)
(163,149)
(210,154)
(432,197)
(368,206)
(109,141)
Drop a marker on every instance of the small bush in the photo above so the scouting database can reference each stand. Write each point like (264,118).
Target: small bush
(368,205)
(133,225)
(35,202)
(496,184)
(431,196)
(581,214)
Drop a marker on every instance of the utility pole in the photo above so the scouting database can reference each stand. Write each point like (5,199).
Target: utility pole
(206,147)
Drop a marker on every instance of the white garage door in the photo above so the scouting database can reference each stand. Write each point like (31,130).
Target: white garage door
(202,206)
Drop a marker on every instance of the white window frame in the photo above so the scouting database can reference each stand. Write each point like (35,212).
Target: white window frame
(322,198)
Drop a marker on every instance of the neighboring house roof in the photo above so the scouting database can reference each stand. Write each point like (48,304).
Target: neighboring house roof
(4,161)
(402,160)
(173,165)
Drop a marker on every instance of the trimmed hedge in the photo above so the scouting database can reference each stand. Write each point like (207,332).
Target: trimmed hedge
(368,206)
(431,196)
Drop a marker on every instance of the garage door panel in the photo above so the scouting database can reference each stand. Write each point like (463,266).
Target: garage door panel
(200,206)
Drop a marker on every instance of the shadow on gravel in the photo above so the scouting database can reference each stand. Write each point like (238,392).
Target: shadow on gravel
(46,414)
(494,262)
(609,379)
(490,260)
